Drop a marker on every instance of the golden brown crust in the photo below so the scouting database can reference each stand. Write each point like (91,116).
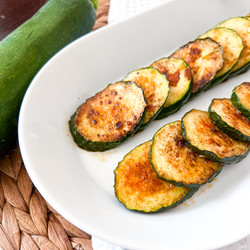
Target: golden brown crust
(173,159)
(243,93)
(178,74)
(203,134)
(232,116)
(111,113)
(231,43)
(204,56)
(137,185)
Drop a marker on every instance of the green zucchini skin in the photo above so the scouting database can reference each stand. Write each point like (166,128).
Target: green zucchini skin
(227,128)
(29,47)
(236,100)
(139,189)
(209,154)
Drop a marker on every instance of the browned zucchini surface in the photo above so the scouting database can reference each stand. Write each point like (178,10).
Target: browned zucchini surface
(241,98)
(138,187)
(174,161)
(205,138)
(178,74)
(109,117)
(229,119)
(204,56)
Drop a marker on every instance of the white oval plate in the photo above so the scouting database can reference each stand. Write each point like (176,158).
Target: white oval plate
(79,184)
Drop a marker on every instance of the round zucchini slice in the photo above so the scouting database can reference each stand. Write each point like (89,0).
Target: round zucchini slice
(179,75)
(242,26)
(205,138)
(232,46)
(107,119)
(204,56)
(138,187)
(241,98)
(174,161)
(155,87)
(229,119)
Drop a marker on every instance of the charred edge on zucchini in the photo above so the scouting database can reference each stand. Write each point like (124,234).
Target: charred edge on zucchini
(138,188)
(229,119)
(241,98)
(204,56)
(206,139)
(179,75)
(107,119)
(242,26)
(174,161)
(232,46)
(155,87)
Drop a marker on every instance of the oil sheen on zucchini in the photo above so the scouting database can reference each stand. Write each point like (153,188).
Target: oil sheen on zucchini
(205,58)
(241,98)
(242,26)
(174,161)
(229,119)
(155,87)
(138,187)
(178,74)
(107,119)
(205,138)
(232,46)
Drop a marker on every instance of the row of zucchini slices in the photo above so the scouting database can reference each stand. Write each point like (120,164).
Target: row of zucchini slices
(110,117)
(183,155)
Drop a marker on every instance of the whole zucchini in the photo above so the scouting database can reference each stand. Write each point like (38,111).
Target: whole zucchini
(29,47)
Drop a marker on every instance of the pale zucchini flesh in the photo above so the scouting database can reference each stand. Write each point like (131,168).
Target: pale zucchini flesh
(138,187)
(174,161)
(229,119)
(241,98)
(232,46)
(205,58)
(178,73)
(205,138)
(242,26)
(108,118)
(155,87)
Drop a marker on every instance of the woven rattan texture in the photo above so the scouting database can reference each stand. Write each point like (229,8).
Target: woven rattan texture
(26,220)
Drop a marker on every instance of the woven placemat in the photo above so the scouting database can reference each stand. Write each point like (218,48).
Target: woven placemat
(27,221)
